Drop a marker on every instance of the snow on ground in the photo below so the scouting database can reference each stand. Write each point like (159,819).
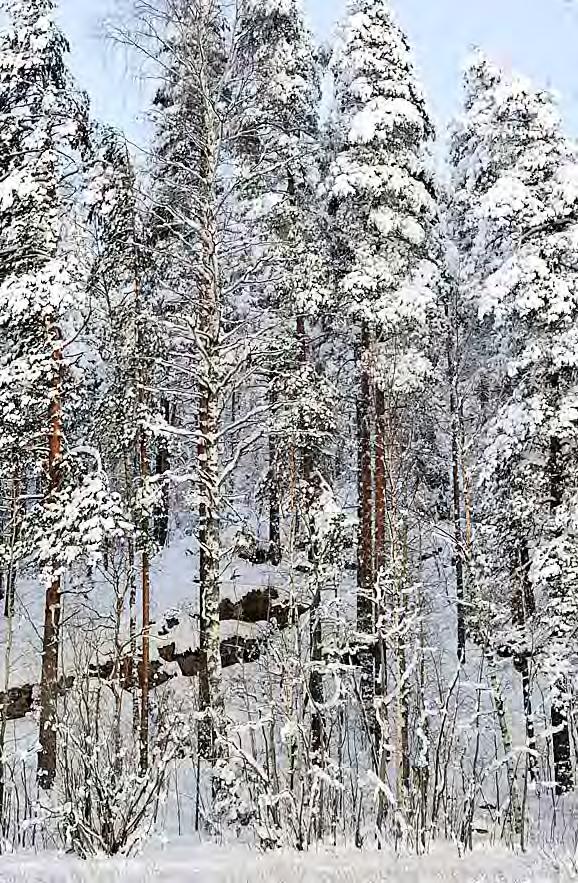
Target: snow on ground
(212,865)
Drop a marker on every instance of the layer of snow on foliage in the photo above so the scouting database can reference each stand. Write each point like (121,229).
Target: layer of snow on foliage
(211,865)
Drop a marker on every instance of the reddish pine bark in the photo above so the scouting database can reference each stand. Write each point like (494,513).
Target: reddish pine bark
(52,606)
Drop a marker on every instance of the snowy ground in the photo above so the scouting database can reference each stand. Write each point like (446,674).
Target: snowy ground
(211,865)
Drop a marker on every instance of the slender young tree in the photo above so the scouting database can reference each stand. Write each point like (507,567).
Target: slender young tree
(125,423)
(188,164)
(453,330)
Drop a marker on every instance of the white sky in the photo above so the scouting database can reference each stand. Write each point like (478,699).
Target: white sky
(537,37)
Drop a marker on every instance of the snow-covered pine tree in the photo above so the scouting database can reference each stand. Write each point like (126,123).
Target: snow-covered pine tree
(43,126)
(383,207)
(280,150)
(515,225)
(44,377)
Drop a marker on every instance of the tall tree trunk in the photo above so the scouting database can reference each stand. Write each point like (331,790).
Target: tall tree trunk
(380,481)
(142,456)
(210,687)
(162,466)
(365,548)
(14,525)
(382,729)
(209,284)
(456,434)
(52,606)
(316,679)
(524,606)
(522,664)
(316,630)
(129,470)
(400,559)
(9,636)
(499,705)
(132,634)
(561,744)
(204,692)
(274,551)
(146,612)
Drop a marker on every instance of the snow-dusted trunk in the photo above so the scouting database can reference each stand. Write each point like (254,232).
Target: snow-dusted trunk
(274,551)
(315,686)
(399,545)
(209,330)
(522,664)
(524,606)
(561,742)
(128,464)
(561,745)
(380,560)
(316,629)
(14,527)
(162,466)
(142,458)
(211,697)
(315,677)
(397,606)
(456,435)
(146,617)
(380,481)
(506,734)
(52,606)
(365,551)
(132,631)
